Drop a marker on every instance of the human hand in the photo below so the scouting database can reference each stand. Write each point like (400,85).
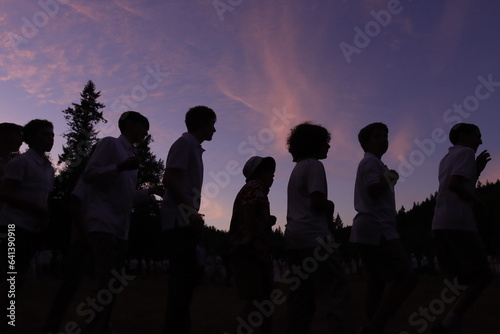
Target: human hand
(391,177)
(482,159)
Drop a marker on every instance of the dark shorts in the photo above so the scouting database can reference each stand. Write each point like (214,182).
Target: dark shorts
(461,254)
(386,262)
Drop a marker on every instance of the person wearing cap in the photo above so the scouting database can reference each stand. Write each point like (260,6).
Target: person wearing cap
(316,269)
(250,232)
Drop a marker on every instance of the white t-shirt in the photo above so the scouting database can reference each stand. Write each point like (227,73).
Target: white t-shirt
(304,227)
(185,155)
(109,195)
(376,218)
(36,176)
(452,213)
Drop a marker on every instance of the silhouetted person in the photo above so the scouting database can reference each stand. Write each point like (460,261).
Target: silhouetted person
(181,220)
(25,189)
(458,246)
(109,196)
(250,233)
(11,138)
(384,257)
(316,269)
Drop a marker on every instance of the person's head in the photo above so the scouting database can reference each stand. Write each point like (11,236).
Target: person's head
(373,138)
(259,168)
(11,137)
(133,126)
(308,140)
(39,135)
(466,134)
(200,121)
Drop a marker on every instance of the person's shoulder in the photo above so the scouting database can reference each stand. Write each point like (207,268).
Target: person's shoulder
(369,160)
(459,151)
(107,140)
(20,159)
(310,162)
(185,140)
(108,143)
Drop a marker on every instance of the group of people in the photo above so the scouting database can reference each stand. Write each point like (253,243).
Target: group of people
(316,272)
(104,196)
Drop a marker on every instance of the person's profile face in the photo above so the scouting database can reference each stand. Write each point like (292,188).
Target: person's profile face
(378,142)
(43,140)
(208,130)
(323,151)
(473,140)
(268,177)
(136,132)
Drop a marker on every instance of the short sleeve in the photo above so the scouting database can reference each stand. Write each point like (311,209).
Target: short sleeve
(316,178)
(370,172)
(178,155)
(465,164)
(102,163)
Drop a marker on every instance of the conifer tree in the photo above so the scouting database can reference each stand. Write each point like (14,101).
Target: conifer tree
(82,119)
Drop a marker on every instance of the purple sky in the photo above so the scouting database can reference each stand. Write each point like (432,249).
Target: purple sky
(265,66)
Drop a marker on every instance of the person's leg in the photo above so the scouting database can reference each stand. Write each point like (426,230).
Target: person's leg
(108,255)
(470,266)
(387,262)
(333,290)
(184,275)
(395,294)
(301,303)
(374,293)
(253,277)
(74,271)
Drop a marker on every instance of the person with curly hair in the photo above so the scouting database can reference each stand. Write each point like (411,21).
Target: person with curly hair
(316,271)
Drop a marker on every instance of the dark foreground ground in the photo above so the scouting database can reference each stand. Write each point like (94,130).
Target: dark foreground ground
(140,308)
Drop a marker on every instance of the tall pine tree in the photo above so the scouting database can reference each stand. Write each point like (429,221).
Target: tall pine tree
(82,119)
(80,138)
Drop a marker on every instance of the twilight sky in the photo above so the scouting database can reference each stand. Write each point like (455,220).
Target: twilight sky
(265,66)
